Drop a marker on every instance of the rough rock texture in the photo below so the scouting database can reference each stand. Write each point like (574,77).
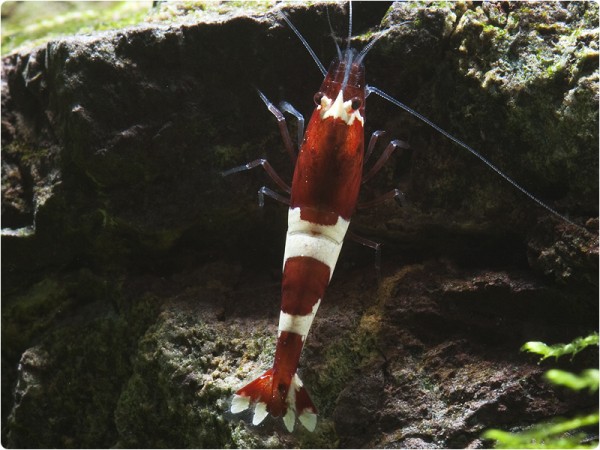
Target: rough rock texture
(140,288)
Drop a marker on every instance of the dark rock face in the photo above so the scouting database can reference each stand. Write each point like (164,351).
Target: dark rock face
(140,288)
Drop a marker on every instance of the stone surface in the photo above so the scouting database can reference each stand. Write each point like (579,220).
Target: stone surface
(140,288)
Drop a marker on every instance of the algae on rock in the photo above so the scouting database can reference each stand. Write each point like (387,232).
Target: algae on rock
(143,288)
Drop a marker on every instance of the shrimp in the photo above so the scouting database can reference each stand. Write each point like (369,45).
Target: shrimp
(323,197)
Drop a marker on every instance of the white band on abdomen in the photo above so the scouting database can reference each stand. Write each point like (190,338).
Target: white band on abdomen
(321,242)
(297,324)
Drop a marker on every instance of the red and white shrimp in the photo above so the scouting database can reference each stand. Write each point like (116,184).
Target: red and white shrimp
(323,197)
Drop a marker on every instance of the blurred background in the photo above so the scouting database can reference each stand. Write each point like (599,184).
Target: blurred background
(26,24)
(35,22)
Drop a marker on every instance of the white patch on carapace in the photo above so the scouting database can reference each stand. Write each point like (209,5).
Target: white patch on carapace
(321,242)
(339,109)
(325,104)
(298,324)
(239,403)
(260,412)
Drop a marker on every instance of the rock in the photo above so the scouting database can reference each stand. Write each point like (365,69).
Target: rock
(566,254)
(141,288)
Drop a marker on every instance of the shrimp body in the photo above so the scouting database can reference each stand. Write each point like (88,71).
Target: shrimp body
(323,197)
(324,194)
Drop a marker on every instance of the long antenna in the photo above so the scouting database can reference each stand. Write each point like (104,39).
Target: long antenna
(337,47)
(349,24)
(474,152)
(310,50)
(389,98)
(367,47)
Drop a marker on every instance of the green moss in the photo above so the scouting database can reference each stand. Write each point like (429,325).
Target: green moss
(33,23)
(324,436)
(30,313)
(242,439)
(175,397)
(25,152)
(356,349)
(76,370)
(523,80)
(496,34)
(591,16)
(259,6)
(198,9)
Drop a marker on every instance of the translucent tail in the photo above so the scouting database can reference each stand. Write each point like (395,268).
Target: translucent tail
(267,401)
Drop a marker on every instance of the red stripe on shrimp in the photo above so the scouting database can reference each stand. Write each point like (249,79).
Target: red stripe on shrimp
(303,285)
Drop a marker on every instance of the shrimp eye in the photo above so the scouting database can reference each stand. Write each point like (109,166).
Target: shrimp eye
(317,98)
(356,103)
